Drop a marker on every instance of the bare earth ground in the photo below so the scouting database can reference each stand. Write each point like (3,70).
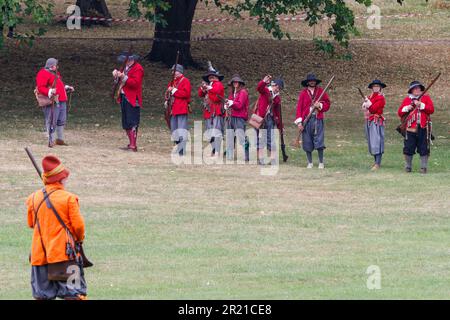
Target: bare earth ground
(156,230)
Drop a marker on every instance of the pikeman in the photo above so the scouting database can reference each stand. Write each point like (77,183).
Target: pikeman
(130,96)
(180,93)
(54,214)
(418,107)
(50,84)
(212,91)
(373,106)
(313,133)
(268,107)
(237,108)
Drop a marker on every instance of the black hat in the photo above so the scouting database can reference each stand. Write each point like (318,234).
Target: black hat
(414,84)
(124,55)
(236,78)
(376,82)
(310,77)
(279,82)
(212,72)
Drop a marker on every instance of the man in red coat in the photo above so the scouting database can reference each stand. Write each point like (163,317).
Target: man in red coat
(55,113)
(213,92)
(373,106)
(237,110)
(418,125)
(179,91)
(313,132)
(130,98)
(269,108)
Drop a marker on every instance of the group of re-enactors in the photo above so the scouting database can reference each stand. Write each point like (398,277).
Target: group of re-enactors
(220,112)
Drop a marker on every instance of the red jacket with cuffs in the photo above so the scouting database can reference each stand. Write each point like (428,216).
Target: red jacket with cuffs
(181,96)
(133,85)
(44,82)
(239,108)
(263,103)
(215,96)
(416,114)
(306,99)
(375,111)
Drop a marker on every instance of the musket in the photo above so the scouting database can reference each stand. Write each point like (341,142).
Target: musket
(168,110)
(51,128)
(283,145)
(308,117)
(79,245)
(404,120)
(361,93)
(117,87)
(33,161)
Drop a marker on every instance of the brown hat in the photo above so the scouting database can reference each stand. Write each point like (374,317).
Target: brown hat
(236,78)
(54,170)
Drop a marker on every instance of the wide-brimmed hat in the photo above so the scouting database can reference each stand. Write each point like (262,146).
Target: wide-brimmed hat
(279,82)
(376,82)
(54,170)
(414,84)
(236,78)
(178,68)
(310,77)
(212,72)
(124,55)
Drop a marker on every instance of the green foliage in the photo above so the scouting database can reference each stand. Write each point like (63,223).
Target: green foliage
(13,13)
(153,10)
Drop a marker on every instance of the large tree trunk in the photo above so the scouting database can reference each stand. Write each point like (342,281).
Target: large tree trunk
(94,8)
(176,35)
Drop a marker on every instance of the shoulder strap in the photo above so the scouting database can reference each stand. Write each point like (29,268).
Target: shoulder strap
(50,206)
(36,218)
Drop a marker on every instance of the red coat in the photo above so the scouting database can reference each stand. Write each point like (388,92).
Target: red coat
(181,97)
(239,108)
(44,82)
(305,101)
(263,103)
(416,113)
(375,111)
(133,85)
(214,96)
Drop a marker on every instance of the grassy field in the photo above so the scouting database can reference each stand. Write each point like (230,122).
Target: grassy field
(160,231)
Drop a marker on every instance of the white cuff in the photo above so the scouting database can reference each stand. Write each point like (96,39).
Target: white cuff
(405,109)
(320,105)
(173,90)
(50,93)
(422,106)
(298,121)
(208,88)
(125,78)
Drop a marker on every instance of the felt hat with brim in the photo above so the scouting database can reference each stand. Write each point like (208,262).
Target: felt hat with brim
(124,55)
(376,82)
(236,78)
(212,73)
(279,82)
(310,77)
(414,84)
(178,68)
(54,170)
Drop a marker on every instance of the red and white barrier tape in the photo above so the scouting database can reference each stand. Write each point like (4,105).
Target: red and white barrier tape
(231,19)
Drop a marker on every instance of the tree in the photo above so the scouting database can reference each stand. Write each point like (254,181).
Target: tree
(13,12)
(173,20)
(94,8)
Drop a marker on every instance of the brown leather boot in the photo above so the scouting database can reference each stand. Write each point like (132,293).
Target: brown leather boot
(60,142)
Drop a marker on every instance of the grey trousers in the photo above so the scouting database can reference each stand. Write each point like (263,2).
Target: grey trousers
(375,137)
(214,132)
(44,289)
(55,120)
(266,136)
(314,135)
(235,129)
(179,128)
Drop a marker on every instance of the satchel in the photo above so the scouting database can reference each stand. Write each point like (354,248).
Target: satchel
(42,99)
(256,121)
